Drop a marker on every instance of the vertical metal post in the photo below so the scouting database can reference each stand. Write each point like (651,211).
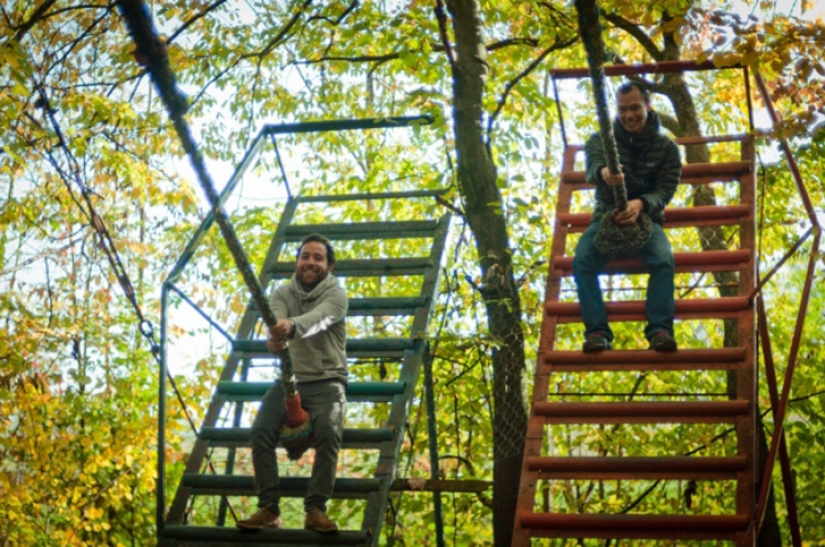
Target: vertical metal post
(281,165)
(432,434)
(229,469)
(161,478)
(748,95)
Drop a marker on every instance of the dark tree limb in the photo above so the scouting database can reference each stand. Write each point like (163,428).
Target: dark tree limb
(441,17)
(338,20)
(196,18)
(636,32)
(27,25)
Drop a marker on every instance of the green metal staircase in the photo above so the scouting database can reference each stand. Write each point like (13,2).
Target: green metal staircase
(384,360)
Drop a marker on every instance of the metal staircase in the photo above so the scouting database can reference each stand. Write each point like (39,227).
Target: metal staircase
(387,326)
(545,467)
(739,411)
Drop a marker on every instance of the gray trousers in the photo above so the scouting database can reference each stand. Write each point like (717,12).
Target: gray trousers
(324,401)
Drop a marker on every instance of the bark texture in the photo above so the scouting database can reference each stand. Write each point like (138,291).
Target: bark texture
(482,201)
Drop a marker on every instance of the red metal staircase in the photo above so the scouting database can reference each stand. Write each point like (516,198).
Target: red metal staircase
(737,469)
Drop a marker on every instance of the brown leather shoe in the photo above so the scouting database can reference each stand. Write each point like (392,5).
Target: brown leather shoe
(662,341)
(264,518)
(317,521)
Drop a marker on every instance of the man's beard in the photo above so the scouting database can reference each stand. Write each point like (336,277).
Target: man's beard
(317,278)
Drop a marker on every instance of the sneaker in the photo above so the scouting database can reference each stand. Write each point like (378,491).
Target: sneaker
(317,521)
(597,341)
(662,341)
(264,518)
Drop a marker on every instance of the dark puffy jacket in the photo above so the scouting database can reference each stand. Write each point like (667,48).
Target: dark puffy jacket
(651,163)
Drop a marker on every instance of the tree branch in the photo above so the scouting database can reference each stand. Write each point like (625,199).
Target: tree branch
(524,73)
(36,16)
(670,123)
(636,32)
(194,19)
(526,41)
(381,59)
(354,59)
(272,44)
(335,22)
(441,17)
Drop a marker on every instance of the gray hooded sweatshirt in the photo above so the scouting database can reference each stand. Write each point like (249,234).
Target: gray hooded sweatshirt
(321,355)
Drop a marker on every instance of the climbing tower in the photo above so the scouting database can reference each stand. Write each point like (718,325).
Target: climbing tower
(385,357)
(546,467)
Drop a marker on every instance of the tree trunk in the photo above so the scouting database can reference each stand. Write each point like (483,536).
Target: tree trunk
(483,208)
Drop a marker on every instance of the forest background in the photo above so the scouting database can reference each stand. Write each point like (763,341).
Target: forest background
(78,386)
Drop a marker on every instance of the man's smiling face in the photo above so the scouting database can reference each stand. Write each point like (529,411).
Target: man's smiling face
(633,110)
(312,266)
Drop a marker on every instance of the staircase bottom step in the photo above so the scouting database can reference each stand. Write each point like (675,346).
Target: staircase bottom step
(220,536)
(558,525)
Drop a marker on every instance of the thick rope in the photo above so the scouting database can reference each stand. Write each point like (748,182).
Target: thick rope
(611,240)
(591,33)
(151,50)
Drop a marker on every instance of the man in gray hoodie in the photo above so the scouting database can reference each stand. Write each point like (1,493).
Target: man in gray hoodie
(311,311)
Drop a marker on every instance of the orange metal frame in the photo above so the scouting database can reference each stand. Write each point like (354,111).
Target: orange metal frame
(571,223)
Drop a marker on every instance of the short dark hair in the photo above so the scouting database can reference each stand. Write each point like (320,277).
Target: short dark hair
(318,238)
(627,87)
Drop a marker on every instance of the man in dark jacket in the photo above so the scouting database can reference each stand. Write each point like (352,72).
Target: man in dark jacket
(651,169)
(311,310)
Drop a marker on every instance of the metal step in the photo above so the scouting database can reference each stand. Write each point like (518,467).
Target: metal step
(706,261)
(219,536)
(633,526)
(366,196)
(352,438)
(634,310)
(643,359)
(367,267)
(615,468)
(356,391)
(705,215)
(381,306)
(692,173)
(358,347)
(291,487)
(365,230)
(403,305)
(655,412)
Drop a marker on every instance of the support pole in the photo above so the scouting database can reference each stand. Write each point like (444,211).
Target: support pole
(433,437)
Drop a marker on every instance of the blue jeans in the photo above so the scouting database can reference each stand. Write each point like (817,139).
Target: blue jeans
(656,255)
(324,401)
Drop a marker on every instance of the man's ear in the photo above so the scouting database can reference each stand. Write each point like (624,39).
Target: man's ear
(331,267)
